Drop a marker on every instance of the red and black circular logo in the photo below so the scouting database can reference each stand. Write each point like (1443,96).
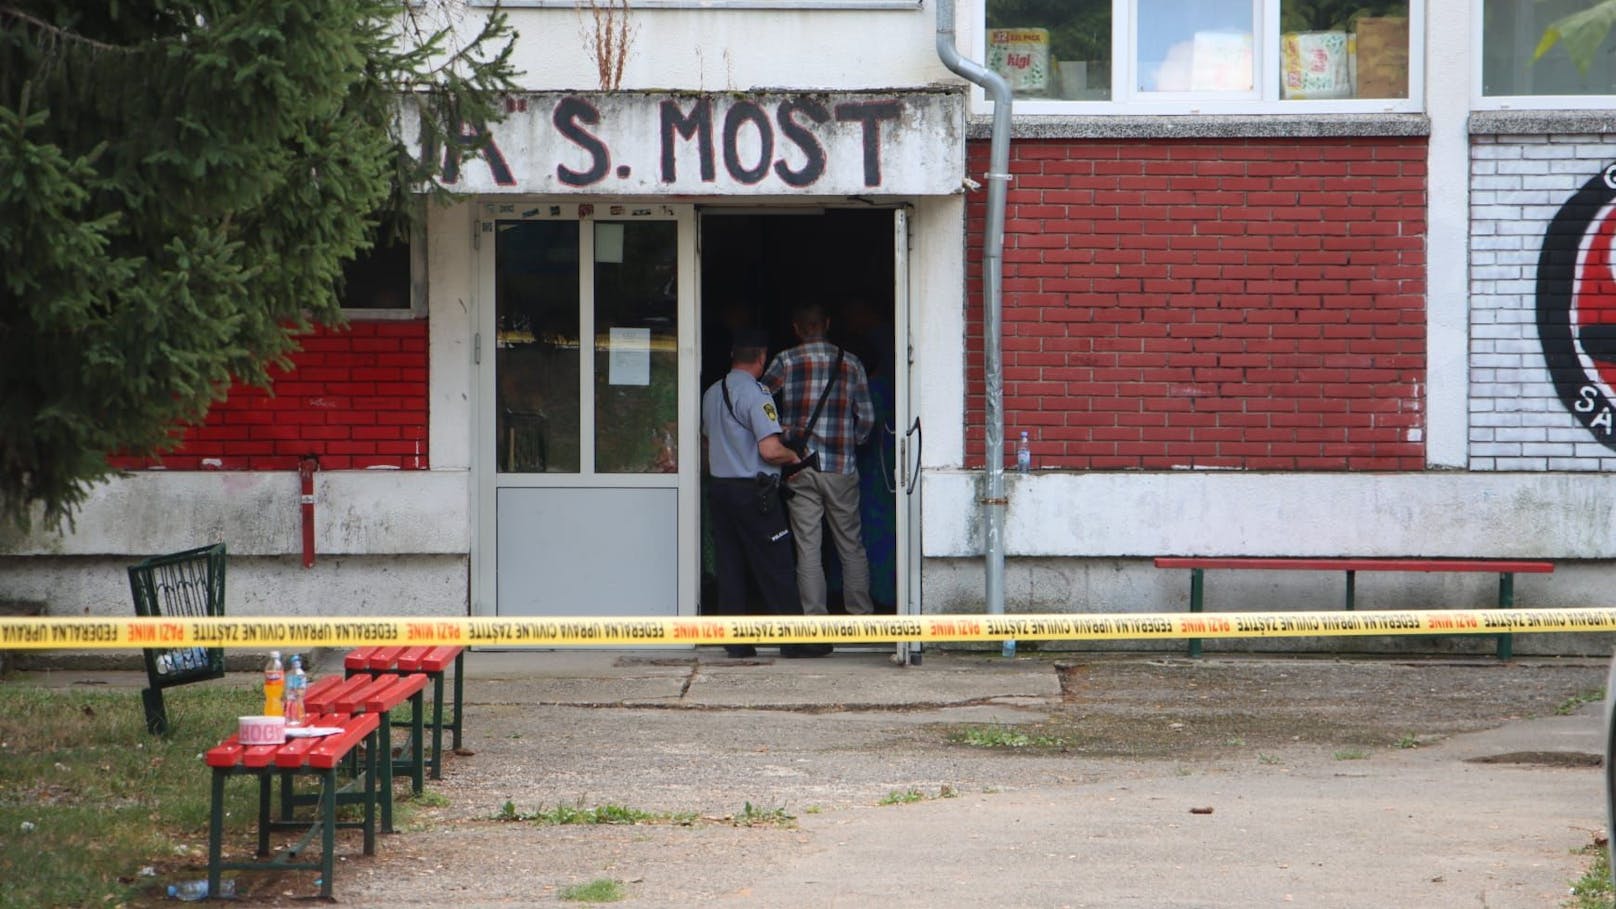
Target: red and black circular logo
(1576,304)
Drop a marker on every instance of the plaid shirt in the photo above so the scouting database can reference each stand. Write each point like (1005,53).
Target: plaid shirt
(798,376)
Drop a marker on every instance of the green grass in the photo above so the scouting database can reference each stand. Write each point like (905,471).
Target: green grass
(1004,737)
(907,796)
(1593,890)
(1351,754)
(758,816)
(1409,740)
(599,890)
(1570,704)
(577,814)
(112,814)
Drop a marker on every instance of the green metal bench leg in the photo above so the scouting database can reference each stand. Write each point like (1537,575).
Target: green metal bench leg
(1197,591)
(216,830)
(384,733)
(265,785)
(1506,600)
(418,742)
(459,692)
(328,830)
(369,824)
(437,725)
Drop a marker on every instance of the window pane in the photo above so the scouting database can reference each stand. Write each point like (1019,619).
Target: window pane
(536,345)
(1342,49)
(379,277)
(636,347)
(1195,45)
(1581,62)
(1052,48)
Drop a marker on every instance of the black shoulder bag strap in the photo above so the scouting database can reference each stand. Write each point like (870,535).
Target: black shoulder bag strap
(836,373)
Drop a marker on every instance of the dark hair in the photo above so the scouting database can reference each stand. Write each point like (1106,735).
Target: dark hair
(810,315)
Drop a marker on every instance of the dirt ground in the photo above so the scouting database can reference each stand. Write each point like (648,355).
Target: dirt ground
(748,796)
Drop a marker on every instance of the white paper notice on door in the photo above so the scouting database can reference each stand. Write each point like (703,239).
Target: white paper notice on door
(631,356)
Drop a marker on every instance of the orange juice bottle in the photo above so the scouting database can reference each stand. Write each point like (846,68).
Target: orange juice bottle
(274,685)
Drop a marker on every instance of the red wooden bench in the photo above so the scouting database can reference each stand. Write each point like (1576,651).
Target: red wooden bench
(322,757)
(434,662)
(1506,569)
(379,694)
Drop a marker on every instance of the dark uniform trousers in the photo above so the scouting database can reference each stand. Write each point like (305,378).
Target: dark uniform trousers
(745,538)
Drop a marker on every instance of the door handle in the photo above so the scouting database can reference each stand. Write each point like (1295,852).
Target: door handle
(920,445)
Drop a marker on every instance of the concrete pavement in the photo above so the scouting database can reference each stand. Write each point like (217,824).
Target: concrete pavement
(886,812)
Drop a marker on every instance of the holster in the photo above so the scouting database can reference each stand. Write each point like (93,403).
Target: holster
(807,460)
(767,492)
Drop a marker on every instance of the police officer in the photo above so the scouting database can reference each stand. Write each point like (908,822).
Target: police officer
(744,457)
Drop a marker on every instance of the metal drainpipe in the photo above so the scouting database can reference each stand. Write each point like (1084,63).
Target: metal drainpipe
(998,177)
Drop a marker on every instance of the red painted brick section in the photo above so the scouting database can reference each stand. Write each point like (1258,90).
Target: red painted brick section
(1254,304)
(355,398)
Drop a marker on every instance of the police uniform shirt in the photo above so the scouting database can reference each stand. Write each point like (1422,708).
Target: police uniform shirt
(734,430)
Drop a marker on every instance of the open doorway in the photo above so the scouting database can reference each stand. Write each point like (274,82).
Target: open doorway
(755,269)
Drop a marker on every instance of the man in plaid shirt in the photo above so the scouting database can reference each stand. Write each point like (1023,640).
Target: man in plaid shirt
(828,495)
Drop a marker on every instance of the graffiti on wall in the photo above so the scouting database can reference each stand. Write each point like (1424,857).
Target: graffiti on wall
(1576,305)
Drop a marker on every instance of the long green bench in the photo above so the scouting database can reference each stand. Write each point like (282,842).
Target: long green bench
(1505,568)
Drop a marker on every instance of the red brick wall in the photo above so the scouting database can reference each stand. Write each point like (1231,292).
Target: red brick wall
(1252,304)
(355,398)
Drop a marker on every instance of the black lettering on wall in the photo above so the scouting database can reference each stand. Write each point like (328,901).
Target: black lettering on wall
(814,167)
(698,125)
(741,113)
(870,114)
(568,112)
(475,136)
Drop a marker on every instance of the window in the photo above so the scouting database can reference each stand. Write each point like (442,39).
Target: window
(1579,61)
(389,279)
(1202,55)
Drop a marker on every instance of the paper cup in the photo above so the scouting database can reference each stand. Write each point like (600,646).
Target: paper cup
(262,730)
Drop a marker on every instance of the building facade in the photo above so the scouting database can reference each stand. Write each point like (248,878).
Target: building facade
(1280,278)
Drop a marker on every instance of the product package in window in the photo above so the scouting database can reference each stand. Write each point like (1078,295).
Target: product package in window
(1021,56)
(1315,65)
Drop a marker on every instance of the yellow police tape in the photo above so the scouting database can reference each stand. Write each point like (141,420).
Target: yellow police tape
(113,634)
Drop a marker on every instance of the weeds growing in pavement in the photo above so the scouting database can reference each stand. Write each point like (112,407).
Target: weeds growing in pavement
(1004,737)
(758,816)
(902,798)
(1570,704)
(895,797)
(1594,890)
(599,890)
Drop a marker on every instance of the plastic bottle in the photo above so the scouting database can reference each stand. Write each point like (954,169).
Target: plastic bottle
(192,891)
(274,685)
(297,685)
(1023,454)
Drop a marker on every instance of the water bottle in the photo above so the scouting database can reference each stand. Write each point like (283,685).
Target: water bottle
(274,685)
(297,685)
(192,891)
(1023,454)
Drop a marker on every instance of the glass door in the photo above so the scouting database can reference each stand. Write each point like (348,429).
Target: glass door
(590,456)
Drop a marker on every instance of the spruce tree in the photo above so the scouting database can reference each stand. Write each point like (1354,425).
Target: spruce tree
(181,182)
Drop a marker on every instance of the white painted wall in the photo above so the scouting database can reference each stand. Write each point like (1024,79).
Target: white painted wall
(1442,514)
(735,50)
(1447,103)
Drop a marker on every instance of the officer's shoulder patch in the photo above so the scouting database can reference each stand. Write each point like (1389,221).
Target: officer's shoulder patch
(769,411)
